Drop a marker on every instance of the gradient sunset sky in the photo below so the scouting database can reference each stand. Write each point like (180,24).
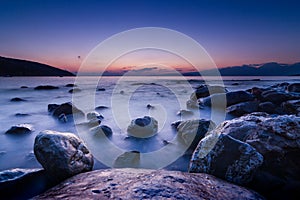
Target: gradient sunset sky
(62,33)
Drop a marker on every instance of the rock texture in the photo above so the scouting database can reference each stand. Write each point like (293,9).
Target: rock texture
(146,184)
(243,108)
(277,139)
(20,129)
(62,154)
(192,131)
(206,90)
(64,111)
(226,158)
(143,127)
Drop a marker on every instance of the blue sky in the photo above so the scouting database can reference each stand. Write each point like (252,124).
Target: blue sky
(233,32)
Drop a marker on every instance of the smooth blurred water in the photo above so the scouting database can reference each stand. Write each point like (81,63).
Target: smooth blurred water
(167,94)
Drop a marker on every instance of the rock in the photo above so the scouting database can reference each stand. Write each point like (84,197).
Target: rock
(267,107)
(191,104)
(257,92)
(146,184)
(130,159)
(20,129)
(17,99)
(276,97)
(278,140)
(22,114)
(46,87)
(24,87)
(231,98)
(24,183)
(103,129)
(70,85)
(206,90)
(101,107)
(294,87)
(143,127)
(94,116)
(184,113)
(226,158)
(101,89)
(65,108)
(149,106)
(243,108)
(176,124)
(291,107)
(62,154)
(235,84)
(74,90)
(192,131)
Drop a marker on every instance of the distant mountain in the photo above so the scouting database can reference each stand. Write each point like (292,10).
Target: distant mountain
(16,67)
(266,69)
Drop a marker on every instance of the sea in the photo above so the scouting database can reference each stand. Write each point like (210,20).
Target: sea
(126,98)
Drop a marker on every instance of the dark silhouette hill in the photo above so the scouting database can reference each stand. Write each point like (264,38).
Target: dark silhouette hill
(266,69)
(16,67)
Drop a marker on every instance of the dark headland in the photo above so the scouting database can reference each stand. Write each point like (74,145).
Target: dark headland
(17,67)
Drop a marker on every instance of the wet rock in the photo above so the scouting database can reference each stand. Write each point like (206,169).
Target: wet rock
(278,140)
(22,114)
(226,158)
(102,130)
(291,107)
(70,85)
(101,89)
(101,107)
(147,184)
(130,159)
(267,107)
(17,99)
(24,183)
(176,124)
(62,154)
(24,87)
(206,90)
(74,90)
(94,115)
(191,104)
(46,87)
(184,113)
(294,87)
(20,129)
(243,108)
(235,84)
(149,106)
(276,97)
(66,109)
(231,98)
(192,131)
(143,127)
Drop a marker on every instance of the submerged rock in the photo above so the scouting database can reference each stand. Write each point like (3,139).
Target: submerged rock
(184,113)
(102,130)
(20,129)
(70,85)
(74,90)
(64,110)
(17,99)
(143,127)
(192,131)
(46,87)
(130,159)
(226,158)
(62,154)
(101,89)
(101,107)
(147,184)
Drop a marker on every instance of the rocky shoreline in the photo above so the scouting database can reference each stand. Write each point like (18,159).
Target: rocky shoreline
(252,156)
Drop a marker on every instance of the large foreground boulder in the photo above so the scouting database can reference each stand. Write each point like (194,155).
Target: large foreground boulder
(226,158)
(146,184)
(277,139)
(62,154)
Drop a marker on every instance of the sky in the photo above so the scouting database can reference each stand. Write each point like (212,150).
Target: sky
(62,33)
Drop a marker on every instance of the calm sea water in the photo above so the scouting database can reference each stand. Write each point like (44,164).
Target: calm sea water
(126,98)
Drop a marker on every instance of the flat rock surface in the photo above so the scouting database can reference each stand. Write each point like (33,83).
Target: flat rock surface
(146,184)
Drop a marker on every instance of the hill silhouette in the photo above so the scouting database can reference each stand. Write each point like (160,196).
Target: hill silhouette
(16,67)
